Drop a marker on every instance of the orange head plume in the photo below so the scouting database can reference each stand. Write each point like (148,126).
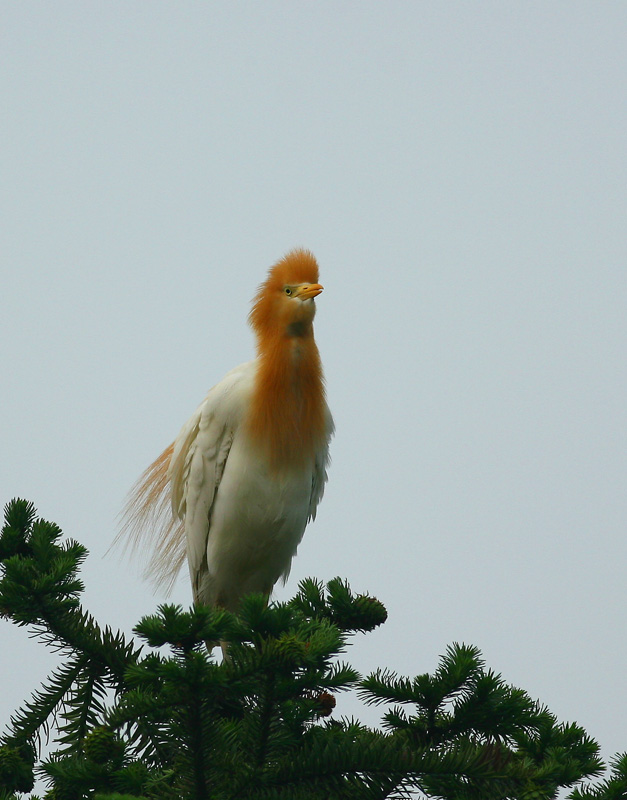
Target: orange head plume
(274,312)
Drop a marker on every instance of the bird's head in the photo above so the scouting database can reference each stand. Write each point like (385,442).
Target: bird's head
(284,305)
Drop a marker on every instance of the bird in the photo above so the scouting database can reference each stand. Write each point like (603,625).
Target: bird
(234,492)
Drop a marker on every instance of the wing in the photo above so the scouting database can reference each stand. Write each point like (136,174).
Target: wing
(319,477)
(168,510)
(198,460)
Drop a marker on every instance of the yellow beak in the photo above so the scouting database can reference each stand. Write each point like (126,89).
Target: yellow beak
(308,290)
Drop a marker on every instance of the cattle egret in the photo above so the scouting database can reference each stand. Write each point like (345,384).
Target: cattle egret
(236,489)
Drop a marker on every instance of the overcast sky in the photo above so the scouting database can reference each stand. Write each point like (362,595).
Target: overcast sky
(459,170)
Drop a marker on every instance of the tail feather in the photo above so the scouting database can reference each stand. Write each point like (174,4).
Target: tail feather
(148,524)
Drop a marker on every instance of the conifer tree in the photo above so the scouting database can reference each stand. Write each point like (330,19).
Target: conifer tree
(164,718)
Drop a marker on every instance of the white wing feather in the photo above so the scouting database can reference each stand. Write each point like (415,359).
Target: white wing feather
(319,477)
(199,457)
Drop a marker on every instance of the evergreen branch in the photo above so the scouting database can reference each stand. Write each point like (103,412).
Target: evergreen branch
(266,710)
(339,605)
(84,709)
(364,760)
(33,716)
(384,686)
(613,788)
(40,587)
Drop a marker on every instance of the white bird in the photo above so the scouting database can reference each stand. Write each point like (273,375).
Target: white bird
(236,489)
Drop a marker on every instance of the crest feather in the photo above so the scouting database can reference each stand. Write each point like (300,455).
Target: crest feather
(297,266)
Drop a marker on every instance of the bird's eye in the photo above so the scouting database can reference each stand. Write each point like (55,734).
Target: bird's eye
(288,291)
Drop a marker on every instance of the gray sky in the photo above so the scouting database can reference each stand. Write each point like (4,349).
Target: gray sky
(459,170)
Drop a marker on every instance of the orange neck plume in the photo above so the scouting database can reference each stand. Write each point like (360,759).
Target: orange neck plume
(287,413)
